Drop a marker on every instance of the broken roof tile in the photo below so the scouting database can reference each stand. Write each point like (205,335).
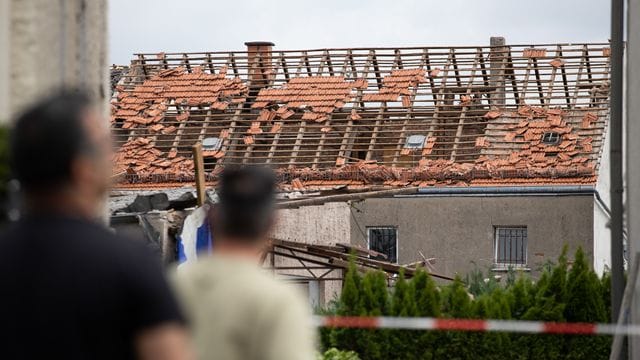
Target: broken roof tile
(276,128)
(557,62)
(534,53)
(589,118)
(492,115)
(354,115)
(182,116)
(248,139)
(481,141)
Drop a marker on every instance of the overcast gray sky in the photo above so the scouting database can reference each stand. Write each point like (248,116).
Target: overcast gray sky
(206,25)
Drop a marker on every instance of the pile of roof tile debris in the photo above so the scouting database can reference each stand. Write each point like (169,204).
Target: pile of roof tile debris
(140,157)
(567,152)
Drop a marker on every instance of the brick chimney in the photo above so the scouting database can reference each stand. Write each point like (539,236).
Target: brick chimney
(497,64)
(259,61)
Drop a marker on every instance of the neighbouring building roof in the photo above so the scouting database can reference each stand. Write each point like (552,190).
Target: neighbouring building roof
(358,117)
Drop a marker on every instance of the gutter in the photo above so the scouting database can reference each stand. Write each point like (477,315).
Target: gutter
(506,191)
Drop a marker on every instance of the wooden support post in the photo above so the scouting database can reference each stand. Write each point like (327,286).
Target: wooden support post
(198,163)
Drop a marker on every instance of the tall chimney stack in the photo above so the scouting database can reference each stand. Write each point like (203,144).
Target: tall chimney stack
(497,63)
(259,61)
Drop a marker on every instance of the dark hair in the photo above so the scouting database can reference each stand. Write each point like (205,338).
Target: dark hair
(46,138)
(246,202)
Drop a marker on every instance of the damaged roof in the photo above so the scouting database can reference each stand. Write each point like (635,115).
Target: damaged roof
(484,115)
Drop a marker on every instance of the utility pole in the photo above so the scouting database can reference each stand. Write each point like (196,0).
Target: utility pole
(615,131)
(633,147)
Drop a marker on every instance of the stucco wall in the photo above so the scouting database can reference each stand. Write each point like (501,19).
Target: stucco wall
(326,225)
(601,214)
(5,12)
(459,231)
(53,44)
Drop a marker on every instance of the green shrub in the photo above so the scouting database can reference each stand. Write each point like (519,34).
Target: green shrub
(562,293)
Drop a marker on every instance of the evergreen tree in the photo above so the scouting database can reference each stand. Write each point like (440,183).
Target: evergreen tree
(605,290)
(521,294)
(521,297)
(350,297)
(427,299)
(456,304)
(456,301)
(341,338)
(549,304)
(403,299)
(427,296)
(403,342)
(561,294)
(373,344)
(584,304)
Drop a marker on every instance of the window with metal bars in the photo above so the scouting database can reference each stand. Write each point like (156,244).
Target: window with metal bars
(510,246)
(384,239)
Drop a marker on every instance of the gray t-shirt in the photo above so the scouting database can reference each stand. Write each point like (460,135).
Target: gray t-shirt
(237,311)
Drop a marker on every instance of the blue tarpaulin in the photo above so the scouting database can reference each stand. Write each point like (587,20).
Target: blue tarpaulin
(195,237)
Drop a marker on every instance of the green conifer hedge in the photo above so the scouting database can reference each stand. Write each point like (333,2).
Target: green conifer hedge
(563,292)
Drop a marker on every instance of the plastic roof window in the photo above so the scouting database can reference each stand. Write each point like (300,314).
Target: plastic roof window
(415,142)
(551,138)
(211,144)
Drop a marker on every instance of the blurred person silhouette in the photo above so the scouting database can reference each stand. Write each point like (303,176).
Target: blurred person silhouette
(69,287)
(236,309)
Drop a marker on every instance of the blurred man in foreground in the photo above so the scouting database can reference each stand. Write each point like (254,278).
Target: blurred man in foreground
(69,288)
(238,311)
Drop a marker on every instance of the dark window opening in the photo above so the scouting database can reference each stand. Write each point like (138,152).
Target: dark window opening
(511,246)
(551,138)
(385,241)
(360,154)
(209,163)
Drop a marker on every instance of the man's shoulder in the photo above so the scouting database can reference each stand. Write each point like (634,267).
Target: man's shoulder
(245,279)
(70,236)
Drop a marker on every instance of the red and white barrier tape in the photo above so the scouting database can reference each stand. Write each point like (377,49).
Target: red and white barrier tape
(516,326)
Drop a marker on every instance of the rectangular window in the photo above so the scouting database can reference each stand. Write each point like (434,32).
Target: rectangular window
(510,246)
(385,241)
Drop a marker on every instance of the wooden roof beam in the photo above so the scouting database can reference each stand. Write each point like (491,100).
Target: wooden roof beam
(440,101)
(348,140)
(409,115)
(463,112)
(296,146)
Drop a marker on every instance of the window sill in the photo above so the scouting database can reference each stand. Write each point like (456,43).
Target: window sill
(506,268)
